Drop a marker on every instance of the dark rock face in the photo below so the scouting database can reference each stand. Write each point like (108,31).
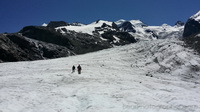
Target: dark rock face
(105,25)
(192,27)
(124,37)
(84,43)
(193,41)
(152,33)
(114,26)
(105,28)
(46,34)
(9,51)
(15,47)
(40,42)
(128,27)
(54,24)
(180,23)
(191,34)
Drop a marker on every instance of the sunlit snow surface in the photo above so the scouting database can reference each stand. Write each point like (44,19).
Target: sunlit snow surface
(86,28)
(196,16)
(148,76)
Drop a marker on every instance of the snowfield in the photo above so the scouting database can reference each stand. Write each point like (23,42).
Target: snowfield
(85,28)
(148,76)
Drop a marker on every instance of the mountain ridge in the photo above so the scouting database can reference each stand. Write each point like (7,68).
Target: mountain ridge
(77,38)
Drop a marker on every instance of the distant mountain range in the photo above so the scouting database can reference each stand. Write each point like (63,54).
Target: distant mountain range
(60,39)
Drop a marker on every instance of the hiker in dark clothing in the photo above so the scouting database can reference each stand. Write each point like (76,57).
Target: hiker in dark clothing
(79,69)
(73,69)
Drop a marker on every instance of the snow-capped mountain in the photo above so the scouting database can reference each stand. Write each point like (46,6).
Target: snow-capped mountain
(158,75)
(136,28)
(77,38)
(80,38)
(15,47)
(148,76)
(89,29)
(196,17)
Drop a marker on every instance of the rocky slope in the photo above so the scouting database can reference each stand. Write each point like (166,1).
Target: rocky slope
(192,32)
(60,39)
(15,47)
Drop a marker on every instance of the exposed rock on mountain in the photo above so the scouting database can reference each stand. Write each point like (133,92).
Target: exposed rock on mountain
(59,38)
(192,26)
(127,27)
(78,42)
(179,23)
(192,32)
(15,47)
(118,38)
(54,24)
(194,42)
(46,34)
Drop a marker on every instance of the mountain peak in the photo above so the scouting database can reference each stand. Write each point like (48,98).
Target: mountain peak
(44,24)
(196,16)
(138,23)
(102,21)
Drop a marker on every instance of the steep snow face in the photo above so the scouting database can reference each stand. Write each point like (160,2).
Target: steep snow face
(196,16)
(137,23)
(157,32)
(166,31)
(148,76)
(135,27)
(144,32)
(119,22)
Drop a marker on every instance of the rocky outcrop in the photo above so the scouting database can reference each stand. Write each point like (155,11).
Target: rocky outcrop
(191,32)
(192,27)
(127,27)
(179,23)
(77,42)
(194,42)
(15,47)
(54,24)
(46,34)
(118,38)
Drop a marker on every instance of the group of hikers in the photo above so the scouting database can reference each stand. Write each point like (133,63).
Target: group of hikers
(78,69)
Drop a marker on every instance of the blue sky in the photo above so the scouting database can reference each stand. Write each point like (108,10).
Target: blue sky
(15,14)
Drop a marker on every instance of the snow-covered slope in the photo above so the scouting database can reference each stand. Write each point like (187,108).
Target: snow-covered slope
(196,17)
(137,28)
(86,28)
(150,76)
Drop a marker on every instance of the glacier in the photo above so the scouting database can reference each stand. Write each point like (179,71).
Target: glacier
(148,76)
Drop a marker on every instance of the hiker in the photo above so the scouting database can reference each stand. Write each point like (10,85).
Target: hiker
(73,69)
(79,69)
